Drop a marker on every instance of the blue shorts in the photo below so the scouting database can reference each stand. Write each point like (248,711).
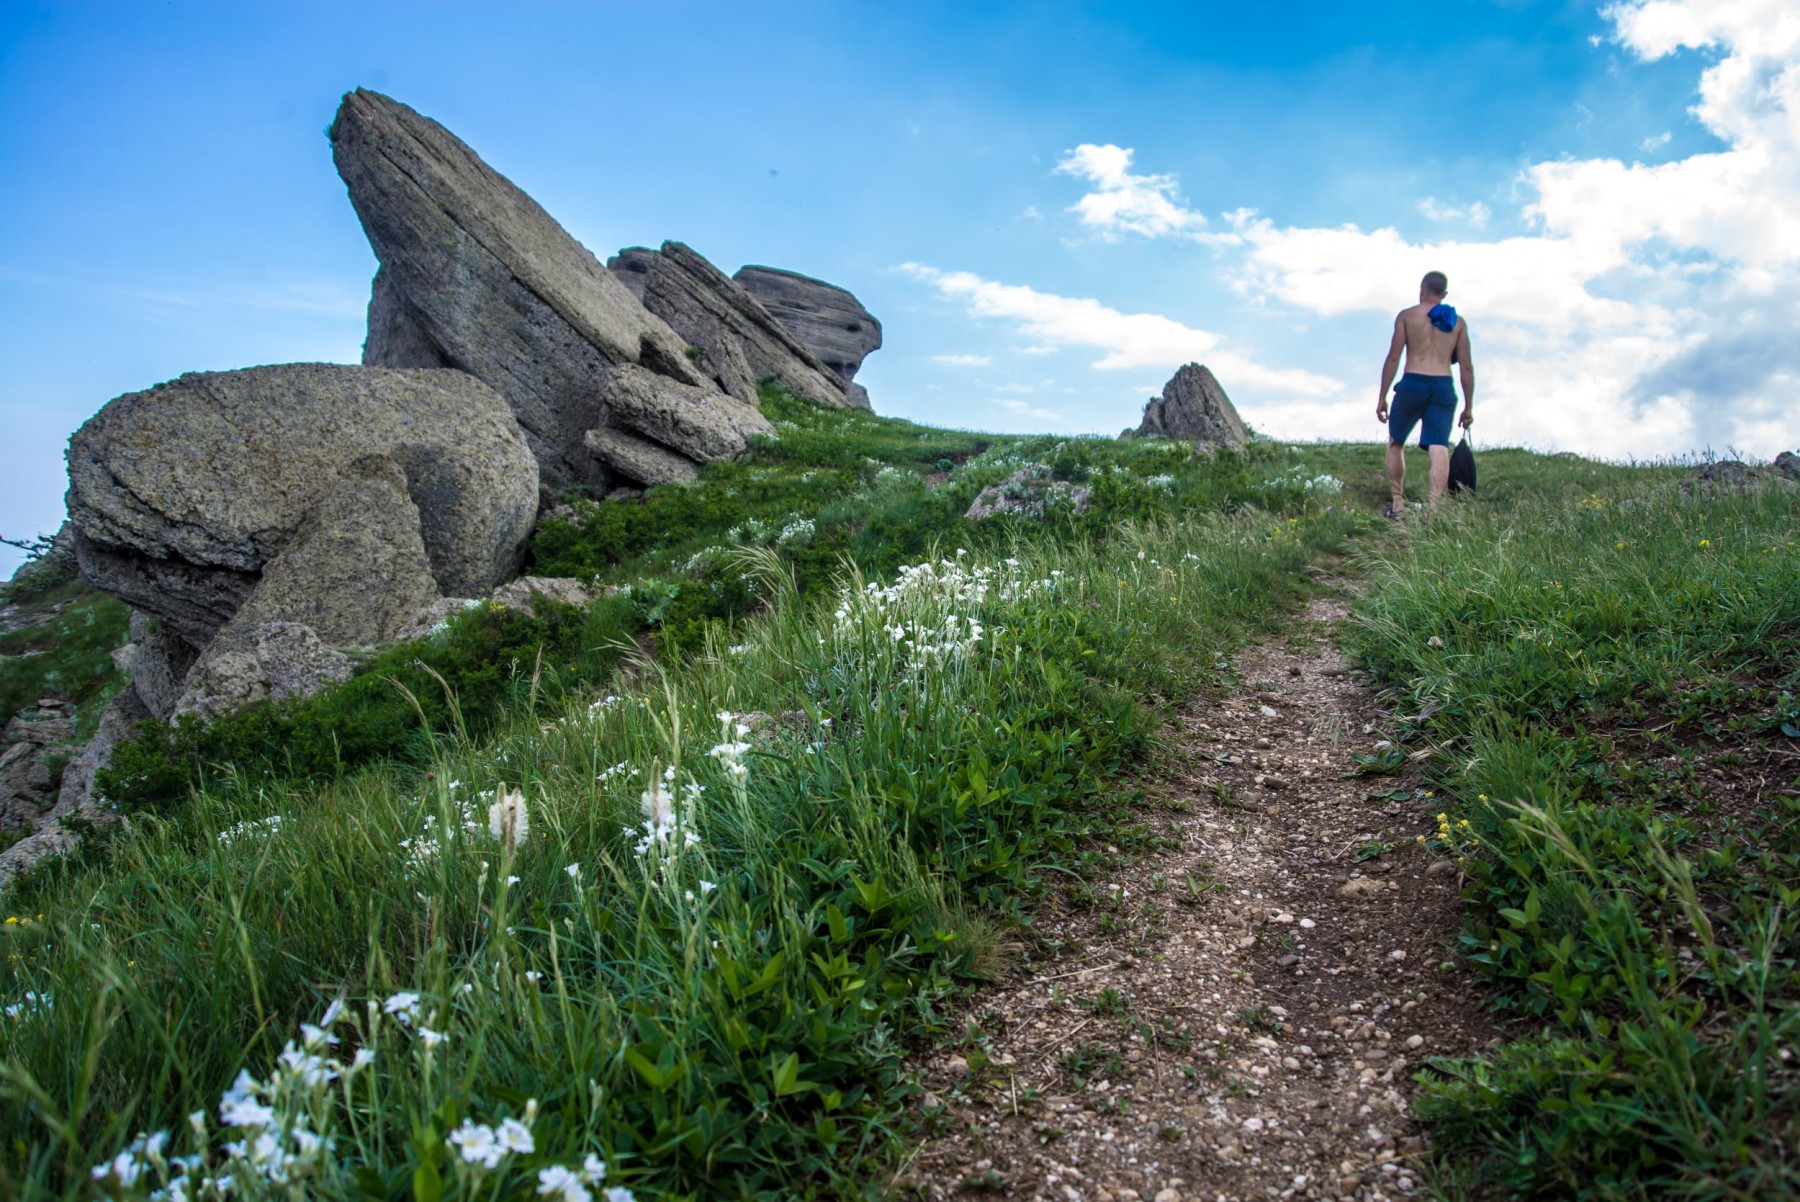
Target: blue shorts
(1429,402)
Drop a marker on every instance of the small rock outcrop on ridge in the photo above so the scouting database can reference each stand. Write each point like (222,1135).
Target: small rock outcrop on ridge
(476,275)
(740,340)
(828,321)
(1192,408)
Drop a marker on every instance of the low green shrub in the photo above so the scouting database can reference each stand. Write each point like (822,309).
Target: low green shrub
(456,682)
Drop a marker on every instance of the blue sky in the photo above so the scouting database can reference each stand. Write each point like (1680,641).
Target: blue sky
(1050,206)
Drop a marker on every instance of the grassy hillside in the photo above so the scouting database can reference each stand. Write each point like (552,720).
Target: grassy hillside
(1608,677)
(797,777)
(704,941)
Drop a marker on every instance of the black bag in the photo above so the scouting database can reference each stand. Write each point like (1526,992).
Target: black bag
(1462,466)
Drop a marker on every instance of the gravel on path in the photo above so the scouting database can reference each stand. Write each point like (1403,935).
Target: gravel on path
(1236,1014)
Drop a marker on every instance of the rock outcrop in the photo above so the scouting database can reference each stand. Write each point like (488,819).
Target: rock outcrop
(180,495)
(476,275)
(741,342)
(33,749)
(58,830)
(827,320)
(1192,408)
(234,510)
(1030,491)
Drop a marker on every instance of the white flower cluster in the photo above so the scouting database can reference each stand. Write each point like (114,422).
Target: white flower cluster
(665,829)
(562,1184)
(611,701)
(797,533)
(1312,486)
(31,1003)
(930,615)
(268,1125)
(731,751)
(256,826)
(620,770)
(485,1147)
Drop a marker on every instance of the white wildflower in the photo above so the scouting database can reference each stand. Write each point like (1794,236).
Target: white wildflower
(508,820)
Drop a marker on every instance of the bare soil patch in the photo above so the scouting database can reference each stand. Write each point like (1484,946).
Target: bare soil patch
(1238,1013)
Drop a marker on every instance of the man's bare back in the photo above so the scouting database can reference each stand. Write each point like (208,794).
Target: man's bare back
(1428,349)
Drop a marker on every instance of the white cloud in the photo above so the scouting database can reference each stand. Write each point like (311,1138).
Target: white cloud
(1127,339)
(964,360)
(1633,314)
(1125,203)
(1026,409)
(1031,213)
(1656,142)
(1475,213)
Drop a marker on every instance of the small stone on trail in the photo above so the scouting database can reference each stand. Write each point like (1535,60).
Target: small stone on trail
(1415,1042)
(1397,954)
(1440,868)
(1268,712)
(1308,923)
(1362,886)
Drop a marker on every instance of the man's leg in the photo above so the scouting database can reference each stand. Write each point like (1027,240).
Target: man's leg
(1440,470)
(1396,472)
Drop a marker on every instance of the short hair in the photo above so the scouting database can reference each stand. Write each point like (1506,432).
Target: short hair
(1436,282)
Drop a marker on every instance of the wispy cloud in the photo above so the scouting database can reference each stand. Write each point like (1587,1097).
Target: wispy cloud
(1026,409)
(1126,340)
(964,360)
(1476,213)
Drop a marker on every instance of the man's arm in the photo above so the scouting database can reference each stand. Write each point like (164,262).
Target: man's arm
(1389,366)
(1466,360)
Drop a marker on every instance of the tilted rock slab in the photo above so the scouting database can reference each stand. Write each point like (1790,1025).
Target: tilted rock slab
(476,275)
(695,422)
(829,321)
(182,494)
(718,315)
(1193,408)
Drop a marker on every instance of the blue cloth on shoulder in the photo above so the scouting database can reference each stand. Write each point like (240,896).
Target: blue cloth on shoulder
(1443,317)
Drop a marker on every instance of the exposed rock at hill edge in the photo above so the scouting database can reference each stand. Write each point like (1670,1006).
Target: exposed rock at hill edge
(1193,408)
(476,275)
(728,324)
(828,321)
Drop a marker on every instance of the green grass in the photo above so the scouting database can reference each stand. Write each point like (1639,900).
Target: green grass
(1570,654)
(724,1018)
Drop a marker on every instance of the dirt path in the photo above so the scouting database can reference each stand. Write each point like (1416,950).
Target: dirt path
(1237,1014)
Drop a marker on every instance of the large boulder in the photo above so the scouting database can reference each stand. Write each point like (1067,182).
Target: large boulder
(181,495)
(717,315)
(476,275)
(828,321)
(1193,408)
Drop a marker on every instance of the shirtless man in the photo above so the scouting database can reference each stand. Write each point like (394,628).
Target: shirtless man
(1434,338)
